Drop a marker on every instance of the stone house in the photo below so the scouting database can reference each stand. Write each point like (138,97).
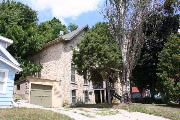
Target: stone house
(58,83)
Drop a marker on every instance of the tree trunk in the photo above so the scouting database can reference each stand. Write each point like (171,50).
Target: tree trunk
(108,92)
(126,88)
(126,70)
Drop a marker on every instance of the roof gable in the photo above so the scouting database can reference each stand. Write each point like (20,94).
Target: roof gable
(66,37)
(9,56)
(6,40)
(10,64)
(73,34)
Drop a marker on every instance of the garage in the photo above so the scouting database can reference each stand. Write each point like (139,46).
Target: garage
(41,95)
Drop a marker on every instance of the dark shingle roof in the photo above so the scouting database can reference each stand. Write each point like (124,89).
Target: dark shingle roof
(74,33)
(66,37)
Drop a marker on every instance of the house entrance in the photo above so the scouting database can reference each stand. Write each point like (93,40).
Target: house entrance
(99,96)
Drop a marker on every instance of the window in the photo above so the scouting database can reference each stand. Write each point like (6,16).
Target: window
(85,82)
(37,75)
(86,96)
(73,96)
(18,87)
(86,78)
(3,80)
(72,73)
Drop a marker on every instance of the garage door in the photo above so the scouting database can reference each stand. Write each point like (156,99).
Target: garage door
(41,95)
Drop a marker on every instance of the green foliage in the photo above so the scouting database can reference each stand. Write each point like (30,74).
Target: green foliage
(29,68)
(157,29)
(51,29)
(19,23)
(98,54)
(72,27)
(168,6)
(169,69)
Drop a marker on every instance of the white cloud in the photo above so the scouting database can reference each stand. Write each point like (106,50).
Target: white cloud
(65,8)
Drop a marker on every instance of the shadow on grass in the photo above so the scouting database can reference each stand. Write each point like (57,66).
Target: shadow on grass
(169,105)
(105,105)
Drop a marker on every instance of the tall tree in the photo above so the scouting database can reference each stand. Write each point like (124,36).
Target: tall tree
(72,26)
(168,68)
(125,18)
(157,29)
(98,56)
(19,23)
(51,29)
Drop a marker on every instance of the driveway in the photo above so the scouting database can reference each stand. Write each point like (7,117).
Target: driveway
(105,114)
(96,113)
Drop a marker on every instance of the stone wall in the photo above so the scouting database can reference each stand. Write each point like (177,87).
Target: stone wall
(23,91)
(56,61)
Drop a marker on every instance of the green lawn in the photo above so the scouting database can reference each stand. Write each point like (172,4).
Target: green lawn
(30,114)
(170,112)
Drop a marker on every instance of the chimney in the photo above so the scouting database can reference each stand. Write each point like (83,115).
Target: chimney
(61,33)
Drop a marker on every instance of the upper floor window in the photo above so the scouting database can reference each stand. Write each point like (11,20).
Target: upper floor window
(73,73)
(3,80)
(85,82)
(18,87)
(86,78)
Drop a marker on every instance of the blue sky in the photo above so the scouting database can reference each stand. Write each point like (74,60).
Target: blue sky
(81,12)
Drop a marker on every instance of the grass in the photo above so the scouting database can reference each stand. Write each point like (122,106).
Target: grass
(165,111)
(30,114)
(103,105)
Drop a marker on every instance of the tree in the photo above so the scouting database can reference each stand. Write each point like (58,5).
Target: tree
(72,27)
(98,56)
(157,28)
(168,68)
(19,23)
(51,29)
(125,18)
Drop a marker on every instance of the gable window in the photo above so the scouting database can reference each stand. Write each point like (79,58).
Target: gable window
(18,87)
(3,80)
(73,96)
(73,73)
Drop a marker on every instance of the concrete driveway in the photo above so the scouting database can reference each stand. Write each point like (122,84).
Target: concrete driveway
(96,113)
(105,114)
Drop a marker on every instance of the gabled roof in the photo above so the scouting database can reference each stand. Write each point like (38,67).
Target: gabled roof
(8,41)
(10,64)
(74,33)
(9,56)
(66,37)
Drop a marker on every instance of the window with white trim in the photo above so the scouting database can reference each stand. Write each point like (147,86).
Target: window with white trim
(85,81)
(73,96)
(86,96)
(3,80)
(86,78)
(73,73)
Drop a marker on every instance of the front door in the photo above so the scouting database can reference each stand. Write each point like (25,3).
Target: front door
(99,96)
